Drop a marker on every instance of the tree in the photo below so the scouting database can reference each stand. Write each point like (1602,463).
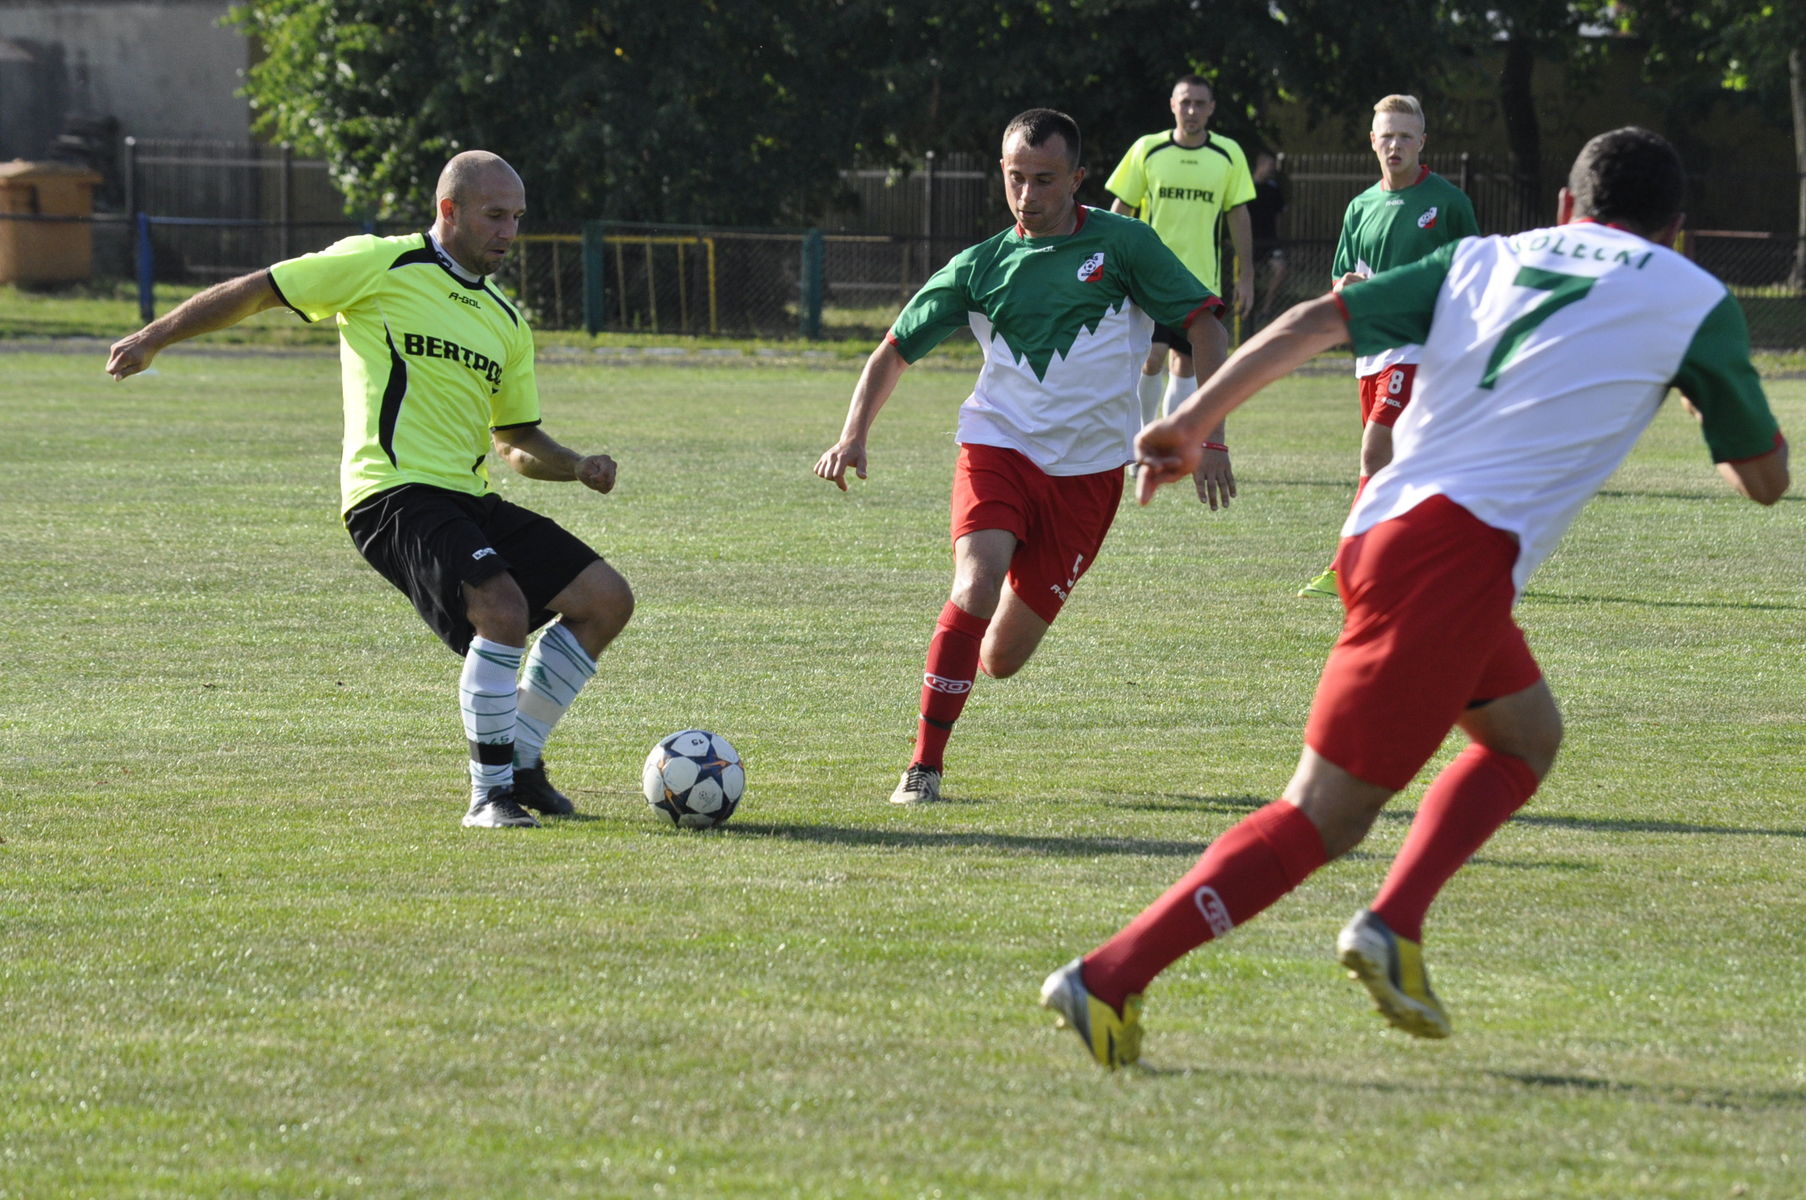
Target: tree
(688,110)
(1755,48)
(726,111)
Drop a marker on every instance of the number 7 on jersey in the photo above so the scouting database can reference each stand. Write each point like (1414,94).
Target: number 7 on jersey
(1563,290)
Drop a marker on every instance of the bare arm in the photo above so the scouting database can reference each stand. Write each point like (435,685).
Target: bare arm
(1169,449)
(536,454)
(1117,206)
(220,306)
(1241,235)
(1764,479)
(1215,477)
(876,382)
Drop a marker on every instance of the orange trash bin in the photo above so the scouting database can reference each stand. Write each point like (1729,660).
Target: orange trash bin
(34,250)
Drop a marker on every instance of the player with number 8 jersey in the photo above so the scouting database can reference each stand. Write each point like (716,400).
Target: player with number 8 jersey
(1410,212)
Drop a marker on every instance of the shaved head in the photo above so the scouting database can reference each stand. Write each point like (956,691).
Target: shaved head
(479,203)
(472,169)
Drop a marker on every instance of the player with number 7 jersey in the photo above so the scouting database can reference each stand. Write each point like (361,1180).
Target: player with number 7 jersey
(1584,327)
(1545,355)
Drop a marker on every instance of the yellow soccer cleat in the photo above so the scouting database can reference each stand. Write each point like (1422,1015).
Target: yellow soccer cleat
(1113,1038)
(1323,585)
(1391,969)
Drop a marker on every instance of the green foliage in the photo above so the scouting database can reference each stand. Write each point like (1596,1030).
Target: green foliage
(686,110)
(1736,45)
(701,110)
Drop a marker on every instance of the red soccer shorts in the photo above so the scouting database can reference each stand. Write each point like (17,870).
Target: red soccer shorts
(1059,520)
(1384,394)
(1428,634)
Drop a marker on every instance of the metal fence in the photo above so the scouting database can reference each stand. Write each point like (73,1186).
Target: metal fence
(220,209)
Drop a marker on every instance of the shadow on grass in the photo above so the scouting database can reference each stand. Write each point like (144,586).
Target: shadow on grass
(1615,825)
(1182,802)
(1703,494)
(1717,1098)
(1179,802)
(1051,847)
(1644,602)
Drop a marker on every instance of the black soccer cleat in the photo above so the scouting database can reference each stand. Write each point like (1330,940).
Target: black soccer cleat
(535,791)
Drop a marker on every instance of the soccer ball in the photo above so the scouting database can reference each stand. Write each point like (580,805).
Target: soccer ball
(694,779)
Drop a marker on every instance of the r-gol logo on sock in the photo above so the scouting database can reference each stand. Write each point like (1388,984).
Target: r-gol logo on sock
(940,683)
(1215,914)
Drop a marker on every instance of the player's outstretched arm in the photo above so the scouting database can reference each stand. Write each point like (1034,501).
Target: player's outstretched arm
(1169,449)
(220,306)
(536,454)
(876,382)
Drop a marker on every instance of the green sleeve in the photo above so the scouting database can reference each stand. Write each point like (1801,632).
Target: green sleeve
(1344,262)
(1156,280)
(933,313)
(1462,222)
(1394,307)
(1718,377)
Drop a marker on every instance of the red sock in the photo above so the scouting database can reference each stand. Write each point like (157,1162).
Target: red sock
(1255,862)
(947,679)
(1469,800)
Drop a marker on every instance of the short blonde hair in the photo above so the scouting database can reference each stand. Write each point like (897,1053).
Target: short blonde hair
(1397,103)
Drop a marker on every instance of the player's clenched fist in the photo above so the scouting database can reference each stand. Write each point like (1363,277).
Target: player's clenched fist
(597,471)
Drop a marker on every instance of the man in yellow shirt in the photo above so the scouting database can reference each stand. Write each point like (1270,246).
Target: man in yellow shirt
(437,373)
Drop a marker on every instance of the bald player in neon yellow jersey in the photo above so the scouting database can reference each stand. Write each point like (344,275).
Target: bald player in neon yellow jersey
(437,374)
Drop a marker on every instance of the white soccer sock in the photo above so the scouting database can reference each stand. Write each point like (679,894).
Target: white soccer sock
(1150,389)
(1177,389)
(486,691)
(557,669)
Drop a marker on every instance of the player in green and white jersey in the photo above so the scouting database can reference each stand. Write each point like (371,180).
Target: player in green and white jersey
(1407,214)
(1188,182)
(1545,355)
(1063,305)
(437,373)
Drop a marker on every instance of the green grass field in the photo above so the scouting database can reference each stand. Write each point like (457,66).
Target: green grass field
(249,952)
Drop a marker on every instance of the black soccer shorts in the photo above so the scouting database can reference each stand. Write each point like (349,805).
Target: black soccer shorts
(429,542)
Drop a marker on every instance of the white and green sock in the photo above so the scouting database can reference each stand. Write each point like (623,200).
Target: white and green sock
(557,669)
(486,696)
(1177,389)
(1150,390)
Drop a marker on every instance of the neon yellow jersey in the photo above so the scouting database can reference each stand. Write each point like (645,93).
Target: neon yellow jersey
(1183,193)
(430,361)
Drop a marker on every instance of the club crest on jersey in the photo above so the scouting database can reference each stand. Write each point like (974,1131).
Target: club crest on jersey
(1092,269)
(1428,220)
